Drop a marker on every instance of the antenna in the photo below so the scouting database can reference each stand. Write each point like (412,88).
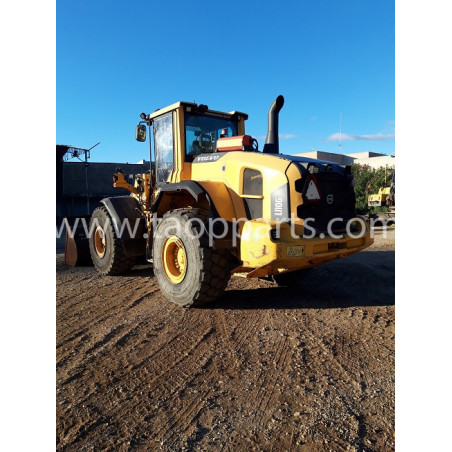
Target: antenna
(340,132)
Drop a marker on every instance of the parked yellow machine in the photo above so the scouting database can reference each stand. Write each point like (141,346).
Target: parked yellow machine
(378,199)
(215,206)
(384,198)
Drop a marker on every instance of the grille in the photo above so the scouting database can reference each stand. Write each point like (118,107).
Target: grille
(335,187)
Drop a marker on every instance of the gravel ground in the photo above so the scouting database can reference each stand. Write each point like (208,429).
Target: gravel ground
(309,368)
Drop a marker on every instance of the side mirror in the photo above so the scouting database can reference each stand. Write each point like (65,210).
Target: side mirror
(140,132)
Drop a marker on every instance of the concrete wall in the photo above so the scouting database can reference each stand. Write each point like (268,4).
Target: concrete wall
(365,155)
(377,162)
(100,177)
(72,201)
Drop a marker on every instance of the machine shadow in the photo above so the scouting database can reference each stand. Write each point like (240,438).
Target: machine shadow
(362,280)
(139,271)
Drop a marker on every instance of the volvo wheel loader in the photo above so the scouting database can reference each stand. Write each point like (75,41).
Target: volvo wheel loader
(213,205)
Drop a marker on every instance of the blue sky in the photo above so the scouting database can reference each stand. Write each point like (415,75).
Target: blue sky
(116,59)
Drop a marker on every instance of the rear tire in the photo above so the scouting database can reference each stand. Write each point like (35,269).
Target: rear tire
(188,271)
(291,279)
(105,247)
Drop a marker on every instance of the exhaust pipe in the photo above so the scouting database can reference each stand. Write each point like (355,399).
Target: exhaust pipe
(272,142)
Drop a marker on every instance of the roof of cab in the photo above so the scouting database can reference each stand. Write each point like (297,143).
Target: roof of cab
(176,105)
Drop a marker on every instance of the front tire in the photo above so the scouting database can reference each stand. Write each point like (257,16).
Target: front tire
(188,271)
(107,252)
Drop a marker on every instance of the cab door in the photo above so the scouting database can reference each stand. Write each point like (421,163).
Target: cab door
(163,147)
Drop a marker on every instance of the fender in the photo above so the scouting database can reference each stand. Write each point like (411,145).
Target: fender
(189,185)
(216,193)
(121,208)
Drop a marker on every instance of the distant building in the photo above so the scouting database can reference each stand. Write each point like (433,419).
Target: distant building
(80,188)
(328,156)
(372,159)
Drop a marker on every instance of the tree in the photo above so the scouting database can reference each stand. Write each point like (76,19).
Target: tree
(378,178)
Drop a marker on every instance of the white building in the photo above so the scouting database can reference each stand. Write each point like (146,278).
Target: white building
(372,159)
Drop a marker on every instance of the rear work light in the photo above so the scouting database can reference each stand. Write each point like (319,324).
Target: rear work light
(237,143)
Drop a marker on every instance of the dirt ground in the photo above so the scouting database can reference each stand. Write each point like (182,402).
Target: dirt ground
(265,368)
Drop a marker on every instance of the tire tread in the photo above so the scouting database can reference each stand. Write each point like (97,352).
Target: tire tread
(120,263)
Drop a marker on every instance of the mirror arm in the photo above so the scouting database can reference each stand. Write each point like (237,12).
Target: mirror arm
(148,122)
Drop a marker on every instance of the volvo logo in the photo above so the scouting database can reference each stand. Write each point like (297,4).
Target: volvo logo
(330,199)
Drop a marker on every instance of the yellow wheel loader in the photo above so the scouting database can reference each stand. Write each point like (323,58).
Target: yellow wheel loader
(384,198)
(213,205)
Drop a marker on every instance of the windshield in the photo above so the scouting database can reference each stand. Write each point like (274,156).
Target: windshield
(203,131)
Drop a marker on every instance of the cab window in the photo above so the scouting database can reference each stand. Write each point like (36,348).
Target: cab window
(203,131)
(163,146)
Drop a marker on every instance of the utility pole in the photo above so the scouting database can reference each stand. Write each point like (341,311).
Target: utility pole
(74,152)
(87,156)
(87,184)
(340,133)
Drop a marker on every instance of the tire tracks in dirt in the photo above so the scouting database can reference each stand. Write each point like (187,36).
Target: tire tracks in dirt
(315,370)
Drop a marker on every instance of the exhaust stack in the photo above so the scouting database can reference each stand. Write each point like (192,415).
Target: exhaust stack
(272,142)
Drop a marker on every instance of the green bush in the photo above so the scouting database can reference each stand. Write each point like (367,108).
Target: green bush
(363,174)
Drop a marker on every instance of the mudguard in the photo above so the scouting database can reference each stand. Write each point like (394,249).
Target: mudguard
(123,209)
(191,187)
(221,203)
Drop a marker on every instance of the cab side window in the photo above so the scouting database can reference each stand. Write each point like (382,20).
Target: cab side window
(163,147)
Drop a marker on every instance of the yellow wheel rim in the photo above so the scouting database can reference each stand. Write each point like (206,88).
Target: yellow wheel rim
(174,259)
(99,241)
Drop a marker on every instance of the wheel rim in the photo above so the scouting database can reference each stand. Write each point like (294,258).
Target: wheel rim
(174,259)
(99,241)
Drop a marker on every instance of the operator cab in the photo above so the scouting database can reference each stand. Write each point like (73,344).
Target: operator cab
(185,130)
